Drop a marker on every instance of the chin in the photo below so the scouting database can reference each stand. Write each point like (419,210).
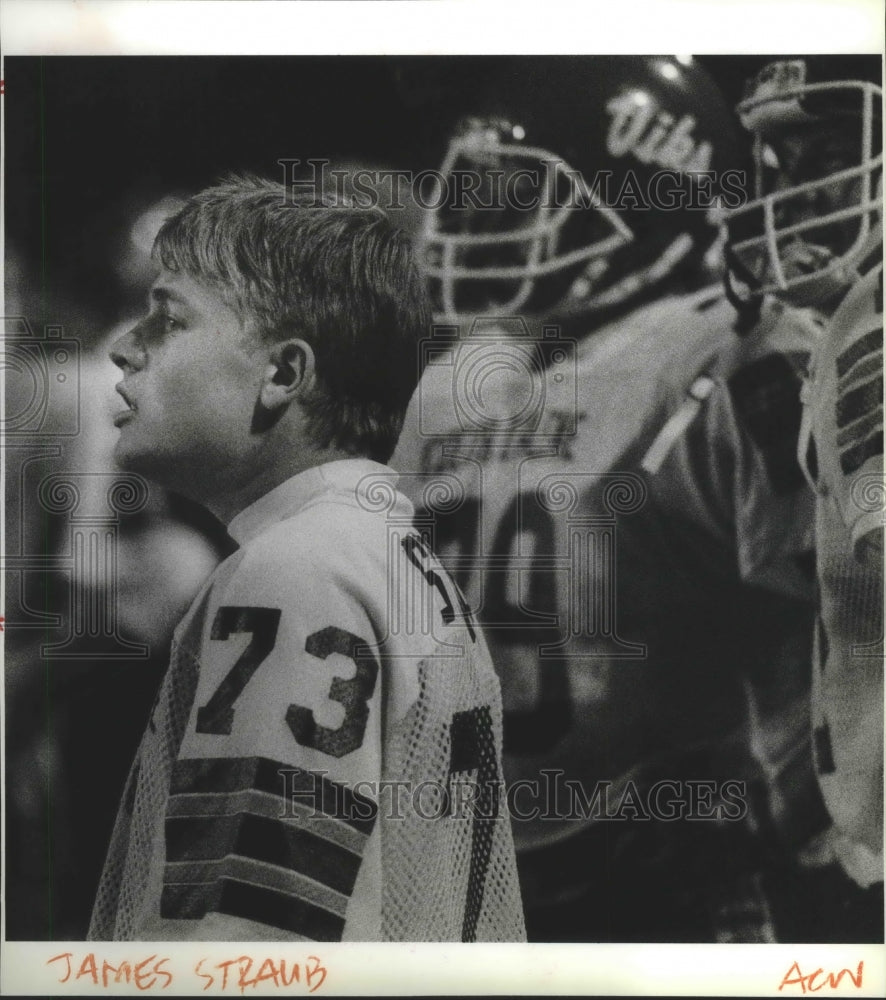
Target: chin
(145,463)
(130,455)
(125,460)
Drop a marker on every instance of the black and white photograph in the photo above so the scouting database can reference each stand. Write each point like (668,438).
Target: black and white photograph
(444,504)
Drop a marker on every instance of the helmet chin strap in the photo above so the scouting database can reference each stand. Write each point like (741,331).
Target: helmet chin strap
(746,302)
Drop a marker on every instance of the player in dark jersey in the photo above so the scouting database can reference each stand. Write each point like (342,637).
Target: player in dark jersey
(815,234)
(627,516)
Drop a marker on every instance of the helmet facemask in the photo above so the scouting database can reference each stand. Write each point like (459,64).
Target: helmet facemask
(584,204)
(816,212)
(512,227)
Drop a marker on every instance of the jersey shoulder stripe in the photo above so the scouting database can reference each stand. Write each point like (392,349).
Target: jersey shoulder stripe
(218,831)
(215,775)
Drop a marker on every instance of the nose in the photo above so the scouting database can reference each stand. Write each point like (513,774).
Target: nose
(127,351)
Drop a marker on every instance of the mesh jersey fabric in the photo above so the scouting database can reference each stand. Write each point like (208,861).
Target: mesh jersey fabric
(323,759)
(615,600)
(841,447)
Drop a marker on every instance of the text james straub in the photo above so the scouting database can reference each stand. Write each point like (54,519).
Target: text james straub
(156,972)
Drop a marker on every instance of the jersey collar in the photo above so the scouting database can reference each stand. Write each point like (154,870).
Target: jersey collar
(352,478)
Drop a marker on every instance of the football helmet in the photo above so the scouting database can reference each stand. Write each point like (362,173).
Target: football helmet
(584,202)
(816,210)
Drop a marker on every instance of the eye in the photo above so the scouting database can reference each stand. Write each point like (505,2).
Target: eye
(171,323)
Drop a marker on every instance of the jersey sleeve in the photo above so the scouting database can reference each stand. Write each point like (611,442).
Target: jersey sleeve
(272,807)
(852,426)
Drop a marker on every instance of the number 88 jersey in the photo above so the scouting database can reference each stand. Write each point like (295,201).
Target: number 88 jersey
(323,761)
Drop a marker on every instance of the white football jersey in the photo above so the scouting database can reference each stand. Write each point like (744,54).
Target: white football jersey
(323,761)
(842,448)
(608,507)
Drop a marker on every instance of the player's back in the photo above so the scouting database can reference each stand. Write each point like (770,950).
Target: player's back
(612,596)
(536,543)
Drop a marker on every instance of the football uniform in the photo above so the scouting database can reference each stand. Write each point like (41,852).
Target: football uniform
(635,551)
(323,758)
(842,450)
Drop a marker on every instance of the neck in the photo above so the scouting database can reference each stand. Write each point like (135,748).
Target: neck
(227,499)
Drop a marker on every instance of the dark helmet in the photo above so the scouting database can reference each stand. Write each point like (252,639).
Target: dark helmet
(579,184)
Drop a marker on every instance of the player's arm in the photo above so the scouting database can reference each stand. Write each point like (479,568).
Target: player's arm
(736,471)
(857,429)
(773,502)
(269,825)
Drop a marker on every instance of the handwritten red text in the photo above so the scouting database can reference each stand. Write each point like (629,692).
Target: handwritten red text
(245,972)
(146,974)
(818,980)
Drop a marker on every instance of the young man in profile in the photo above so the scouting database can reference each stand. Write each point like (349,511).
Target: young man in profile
(329,661)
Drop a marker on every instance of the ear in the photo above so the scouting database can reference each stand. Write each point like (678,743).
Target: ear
(289,373)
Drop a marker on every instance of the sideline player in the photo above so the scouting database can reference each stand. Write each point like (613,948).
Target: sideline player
(629,524)
(268,383)
(814,234)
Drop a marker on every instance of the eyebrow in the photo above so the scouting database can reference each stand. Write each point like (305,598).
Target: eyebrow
(161,294)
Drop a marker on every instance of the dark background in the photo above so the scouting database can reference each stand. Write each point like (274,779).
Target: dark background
(89,140)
